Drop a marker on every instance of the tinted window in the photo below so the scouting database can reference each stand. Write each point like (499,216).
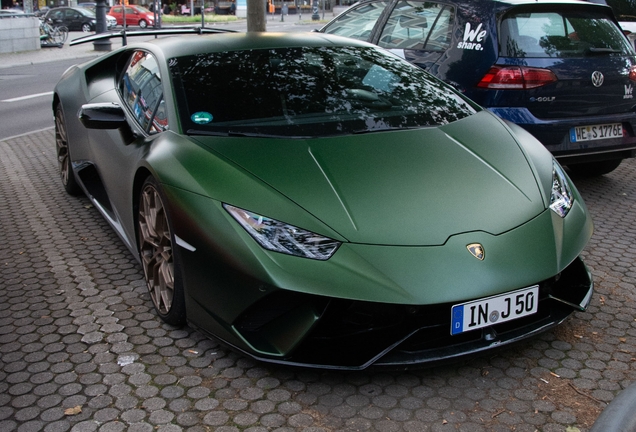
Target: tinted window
(560,34)
(309,92)
(141,90)
(357,23)
(418,25)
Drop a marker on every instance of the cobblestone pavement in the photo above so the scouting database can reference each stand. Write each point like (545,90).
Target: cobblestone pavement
(81,348)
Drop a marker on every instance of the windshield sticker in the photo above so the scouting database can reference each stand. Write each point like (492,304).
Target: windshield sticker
(201,117)
(473,38)
(629,92)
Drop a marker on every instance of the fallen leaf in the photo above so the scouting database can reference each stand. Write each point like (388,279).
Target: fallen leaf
(73,411)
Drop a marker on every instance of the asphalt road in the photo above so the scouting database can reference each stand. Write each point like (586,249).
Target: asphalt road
(26,95)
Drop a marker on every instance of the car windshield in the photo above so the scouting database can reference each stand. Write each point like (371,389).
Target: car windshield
(142,9)
(309,92)
(561,34)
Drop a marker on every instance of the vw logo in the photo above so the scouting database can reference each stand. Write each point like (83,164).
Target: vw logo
(597,79)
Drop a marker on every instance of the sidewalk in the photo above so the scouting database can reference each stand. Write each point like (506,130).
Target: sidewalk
(87,50)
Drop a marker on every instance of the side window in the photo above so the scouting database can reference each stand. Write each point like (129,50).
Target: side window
(419,25)
(141,90)
(357,23)
(117,10)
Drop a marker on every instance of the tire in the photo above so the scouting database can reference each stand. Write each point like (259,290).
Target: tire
(143,24)
(63,155)
(594,169)
(157,253)
(64,31)
(59,35)
(86,27)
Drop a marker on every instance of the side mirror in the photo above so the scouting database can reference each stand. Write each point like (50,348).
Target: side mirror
(102,116)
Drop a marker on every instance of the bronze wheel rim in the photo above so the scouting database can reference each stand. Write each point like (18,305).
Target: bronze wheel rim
(155,245)
(61,143)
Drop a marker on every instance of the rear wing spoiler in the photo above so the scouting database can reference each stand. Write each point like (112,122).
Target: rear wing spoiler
(154,32)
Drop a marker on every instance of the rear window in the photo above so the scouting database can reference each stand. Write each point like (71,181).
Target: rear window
(560,34)
(309,92)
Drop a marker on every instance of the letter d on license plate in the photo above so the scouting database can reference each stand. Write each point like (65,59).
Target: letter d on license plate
(494,310)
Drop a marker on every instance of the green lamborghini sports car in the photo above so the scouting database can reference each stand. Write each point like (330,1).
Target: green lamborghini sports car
(314,200)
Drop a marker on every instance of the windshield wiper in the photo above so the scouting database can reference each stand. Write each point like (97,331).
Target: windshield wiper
(595,50)
(231,133)
(384,129)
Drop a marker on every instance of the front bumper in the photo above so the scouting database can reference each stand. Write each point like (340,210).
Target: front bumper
(372,304)
(353,335)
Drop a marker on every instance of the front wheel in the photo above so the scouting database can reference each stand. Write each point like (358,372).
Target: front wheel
(58,35)
(63,155)
(64,32)
(86,27)
(143,24)
(594,169)
(157,253)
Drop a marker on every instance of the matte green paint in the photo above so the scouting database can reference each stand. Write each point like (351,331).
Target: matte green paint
(415,187)
(390,274)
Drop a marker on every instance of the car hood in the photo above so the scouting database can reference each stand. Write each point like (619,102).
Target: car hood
(409,187)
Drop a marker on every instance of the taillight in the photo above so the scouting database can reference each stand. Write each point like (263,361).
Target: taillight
(632,73)
(516,78)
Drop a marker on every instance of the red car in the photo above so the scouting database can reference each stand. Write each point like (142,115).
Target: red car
(135,15)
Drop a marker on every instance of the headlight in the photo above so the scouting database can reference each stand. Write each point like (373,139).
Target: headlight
(561,197)
(284,238)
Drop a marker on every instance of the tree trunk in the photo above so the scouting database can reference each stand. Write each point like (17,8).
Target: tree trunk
(256,16)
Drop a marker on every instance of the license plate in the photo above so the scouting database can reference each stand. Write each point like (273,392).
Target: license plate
(596,132)
(494,310)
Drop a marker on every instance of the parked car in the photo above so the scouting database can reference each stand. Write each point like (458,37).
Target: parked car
(356,211)
(75,18)
(561,70)
(41,11)
(135,15)
(111,21)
